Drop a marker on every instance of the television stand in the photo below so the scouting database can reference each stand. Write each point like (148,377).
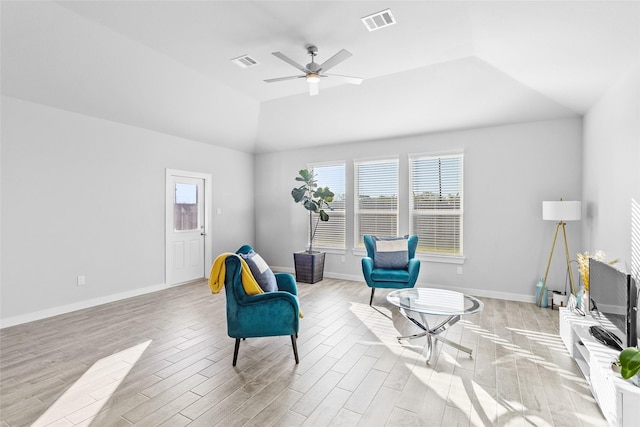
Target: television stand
(619,399)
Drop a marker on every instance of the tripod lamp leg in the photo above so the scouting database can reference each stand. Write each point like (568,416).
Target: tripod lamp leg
(553,245)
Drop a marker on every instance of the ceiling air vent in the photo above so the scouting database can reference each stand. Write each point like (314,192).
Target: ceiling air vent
(244,61)
(379,20)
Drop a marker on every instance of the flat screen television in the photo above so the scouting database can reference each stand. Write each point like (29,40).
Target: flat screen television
(613,300)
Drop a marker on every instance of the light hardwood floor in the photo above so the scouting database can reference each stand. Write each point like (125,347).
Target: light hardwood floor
(165,359)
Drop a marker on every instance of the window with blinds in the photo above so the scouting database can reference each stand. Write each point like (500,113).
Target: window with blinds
(435,205)
(331,234)
(376,199)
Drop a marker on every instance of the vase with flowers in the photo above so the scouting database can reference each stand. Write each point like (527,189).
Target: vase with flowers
(583,268)
(583,265)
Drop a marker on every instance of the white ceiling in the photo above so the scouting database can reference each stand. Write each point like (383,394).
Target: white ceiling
(165,65)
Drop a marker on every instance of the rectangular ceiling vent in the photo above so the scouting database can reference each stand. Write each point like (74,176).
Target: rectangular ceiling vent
(244,61)
(379,20)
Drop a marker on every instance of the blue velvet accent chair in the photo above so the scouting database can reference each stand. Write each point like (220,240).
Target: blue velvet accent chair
(263,315)
(389,278)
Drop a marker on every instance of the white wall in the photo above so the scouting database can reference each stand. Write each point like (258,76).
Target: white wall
(509,171)
(611,174)
(81,195)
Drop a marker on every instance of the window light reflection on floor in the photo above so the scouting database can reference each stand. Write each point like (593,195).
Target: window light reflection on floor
(484,406)
(86,397)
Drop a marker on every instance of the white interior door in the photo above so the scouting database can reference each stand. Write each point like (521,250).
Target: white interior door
(186,228)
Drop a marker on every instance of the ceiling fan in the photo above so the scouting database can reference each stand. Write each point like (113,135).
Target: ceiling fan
(313,72)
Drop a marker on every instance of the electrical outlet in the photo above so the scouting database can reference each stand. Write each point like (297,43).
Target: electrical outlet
(82,280)
(459,271)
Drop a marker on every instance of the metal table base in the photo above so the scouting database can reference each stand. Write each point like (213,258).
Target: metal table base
(434,333)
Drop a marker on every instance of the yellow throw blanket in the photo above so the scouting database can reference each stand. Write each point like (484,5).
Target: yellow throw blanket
(218,271)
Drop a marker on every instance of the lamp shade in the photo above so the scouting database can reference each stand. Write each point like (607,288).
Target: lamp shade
(563,210)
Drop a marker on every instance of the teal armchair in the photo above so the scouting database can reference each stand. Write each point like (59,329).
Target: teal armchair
(389,278)
(263,315)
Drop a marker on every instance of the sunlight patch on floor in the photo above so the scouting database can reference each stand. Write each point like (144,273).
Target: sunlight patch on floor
(484,405)
(86,397)
(549,341)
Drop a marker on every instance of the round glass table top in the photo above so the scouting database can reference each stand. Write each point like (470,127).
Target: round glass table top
(435,301)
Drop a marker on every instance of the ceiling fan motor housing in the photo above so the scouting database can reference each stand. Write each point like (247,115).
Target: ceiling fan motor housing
(313,51)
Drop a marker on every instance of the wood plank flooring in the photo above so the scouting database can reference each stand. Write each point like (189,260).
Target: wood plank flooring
(164,359)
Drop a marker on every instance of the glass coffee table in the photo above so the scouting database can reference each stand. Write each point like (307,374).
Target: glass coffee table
(437,302)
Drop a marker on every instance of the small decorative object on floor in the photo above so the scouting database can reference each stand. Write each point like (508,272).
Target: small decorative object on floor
(541,300)
(560,299)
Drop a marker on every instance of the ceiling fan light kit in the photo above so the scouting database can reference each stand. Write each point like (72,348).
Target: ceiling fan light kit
(313,71)
(313,78)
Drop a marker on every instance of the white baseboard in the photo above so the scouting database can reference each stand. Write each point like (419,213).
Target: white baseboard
(55,311)
(277,269)
(469,291)
(485,293)
(64,309)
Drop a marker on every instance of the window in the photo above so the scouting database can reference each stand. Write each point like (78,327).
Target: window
(185,207)
(436,203)
(376,198)
(331,234)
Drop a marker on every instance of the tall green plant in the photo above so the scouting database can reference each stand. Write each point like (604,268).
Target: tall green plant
(313,199)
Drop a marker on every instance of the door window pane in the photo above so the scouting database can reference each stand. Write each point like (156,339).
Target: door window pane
(185,207)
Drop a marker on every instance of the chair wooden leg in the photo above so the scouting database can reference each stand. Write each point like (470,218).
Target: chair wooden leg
(373,291)
(235,351)
(295,348)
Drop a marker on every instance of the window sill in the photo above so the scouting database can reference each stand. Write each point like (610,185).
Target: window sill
(359,251)
(443,259)
(330,250)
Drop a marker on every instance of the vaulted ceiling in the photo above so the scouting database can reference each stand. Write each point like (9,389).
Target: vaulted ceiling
(165,65)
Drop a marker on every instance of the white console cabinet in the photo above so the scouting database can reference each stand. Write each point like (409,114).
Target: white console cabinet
(619,400)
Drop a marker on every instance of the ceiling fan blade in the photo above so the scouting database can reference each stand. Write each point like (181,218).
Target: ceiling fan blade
(279,79)
(346,79)
(334,60)
(314,89)
(290,61)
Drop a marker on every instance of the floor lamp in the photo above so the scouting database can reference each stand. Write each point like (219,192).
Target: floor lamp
(560,211)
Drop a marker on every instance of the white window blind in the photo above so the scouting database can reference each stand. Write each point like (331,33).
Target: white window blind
(435,205)
(331,234)
(376,198)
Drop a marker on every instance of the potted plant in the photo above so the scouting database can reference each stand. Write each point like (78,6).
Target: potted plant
(629,362)
(309,265)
